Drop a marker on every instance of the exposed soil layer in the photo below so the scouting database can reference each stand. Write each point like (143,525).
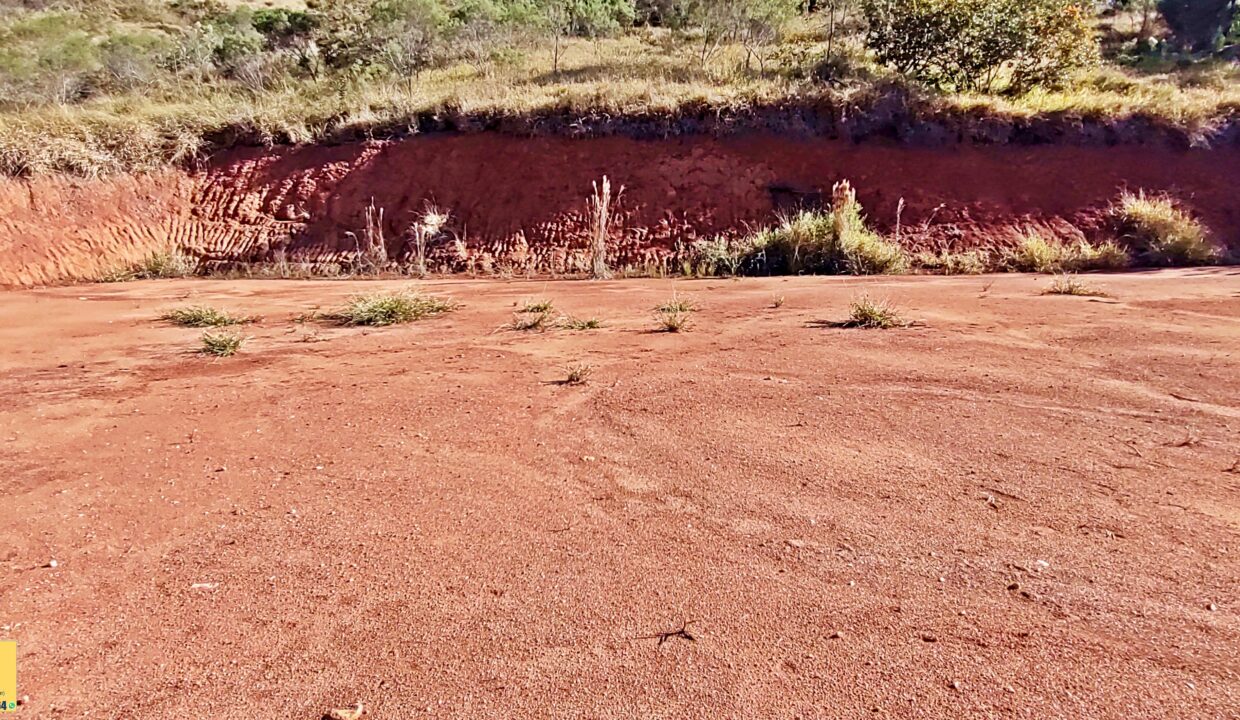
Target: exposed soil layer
(58,229)
(1024,506)
(519,203)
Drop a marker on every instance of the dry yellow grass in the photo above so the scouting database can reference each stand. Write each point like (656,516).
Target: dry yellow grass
(647,72)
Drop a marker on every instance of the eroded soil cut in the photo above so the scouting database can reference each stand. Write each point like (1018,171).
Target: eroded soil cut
(518,204)
(1023,506)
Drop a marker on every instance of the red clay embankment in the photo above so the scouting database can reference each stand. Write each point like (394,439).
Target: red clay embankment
(519,202)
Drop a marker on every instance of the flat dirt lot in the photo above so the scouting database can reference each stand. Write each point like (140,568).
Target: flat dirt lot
(1026,506)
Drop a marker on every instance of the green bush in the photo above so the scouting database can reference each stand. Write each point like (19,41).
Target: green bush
(838,241)
(982,45)
(1035,253)
(1161,232)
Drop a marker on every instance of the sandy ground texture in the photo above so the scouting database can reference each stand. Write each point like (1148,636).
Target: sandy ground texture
(1023,506)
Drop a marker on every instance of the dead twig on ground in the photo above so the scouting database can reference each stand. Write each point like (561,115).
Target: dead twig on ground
(682,632)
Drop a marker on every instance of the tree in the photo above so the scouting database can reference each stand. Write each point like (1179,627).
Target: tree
(1199,24)
(583,18)
(663,13)
(753,23)
(982,45)
(399,35)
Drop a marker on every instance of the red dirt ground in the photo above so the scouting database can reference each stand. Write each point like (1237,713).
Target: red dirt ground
(1026,506)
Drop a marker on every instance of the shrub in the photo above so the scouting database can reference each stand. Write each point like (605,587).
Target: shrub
(1199,24)
(837,241)
(982,45)
(719,256)
(800,243)
(1161,232)
(200,316)
(380,309)
(223,344)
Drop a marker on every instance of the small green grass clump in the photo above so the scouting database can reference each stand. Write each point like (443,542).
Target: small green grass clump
(1163,233)
(1035,253)
(221,344)
(865,312)
(1068,284)
(537,306)
(571,323)
(381,309)
(200,316)
(579,374)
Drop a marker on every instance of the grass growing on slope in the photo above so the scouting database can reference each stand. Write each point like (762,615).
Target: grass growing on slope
(1163,233)
(1036,253)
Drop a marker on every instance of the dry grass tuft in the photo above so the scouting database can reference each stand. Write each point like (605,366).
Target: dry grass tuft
(529,321)
(1068,284)
(672,321)
(570,323)
(537,306)
(867,313)
(578,374)
(676,305)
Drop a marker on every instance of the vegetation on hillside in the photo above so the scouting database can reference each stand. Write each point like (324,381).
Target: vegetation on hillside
(96,86)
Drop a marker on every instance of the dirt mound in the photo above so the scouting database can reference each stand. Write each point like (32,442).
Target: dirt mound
(518,203)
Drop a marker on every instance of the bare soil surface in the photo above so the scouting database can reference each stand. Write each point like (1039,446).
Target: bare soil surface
(1022,506)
